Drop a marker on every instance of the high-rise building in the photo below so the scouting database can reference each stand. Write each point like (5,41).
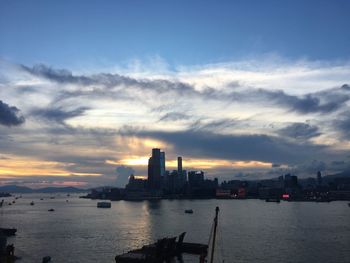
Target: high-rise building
(179,165)
(156,169)
(162,164)
(182,174)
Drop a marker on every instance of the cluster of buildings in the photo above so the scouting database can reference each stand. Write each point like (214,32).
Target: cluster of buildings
(288,187)
(170,184)
(179,183)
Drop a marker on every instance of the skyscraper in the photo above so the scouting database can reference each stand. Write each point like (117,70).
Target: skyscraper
(179,165)
(162,164)
(182,178)
(156,169)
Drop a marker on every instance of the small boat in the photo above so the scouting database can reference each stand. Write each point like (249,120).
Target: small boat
(189,211)
(52,197)
(10,203)
(41,199)
(32,203)
(349,204)
(275,200)
(104,205)
(51,210)
(8,231)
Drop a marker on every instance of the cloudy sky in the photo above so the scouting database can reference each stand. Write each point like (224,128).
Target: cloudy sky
(240,89)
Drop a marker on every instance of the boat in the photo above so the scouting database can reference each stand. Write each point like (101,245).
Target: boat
(51,210)
(189,211)
(8,231)
(275,200)
(349,204)
(166,249)
(32,203)
(104,205)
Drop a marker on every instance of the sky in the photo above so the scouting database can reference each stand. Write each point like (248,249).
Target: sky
(241,89)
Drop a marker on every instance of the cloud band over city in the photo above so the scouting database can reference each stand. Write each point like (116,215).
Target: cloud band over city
(254,119)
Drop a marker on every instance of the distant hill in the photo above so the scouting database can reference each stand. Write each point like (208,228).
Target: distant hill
(15,189)
(23,189)
(68,189)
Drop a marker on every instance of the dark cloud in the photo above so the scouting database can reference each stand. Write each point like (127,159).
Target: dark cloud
(321,102)
(205,144)
(10,115)
(57,75)
(346,87)
(312,167)
(342,125)
(174,116)
(58,114)
(300,130)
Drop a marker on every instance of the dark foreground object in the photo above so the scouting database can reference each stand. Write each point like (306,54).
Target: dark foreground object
(46,259)
(8,231)
(7,252)
(163,250)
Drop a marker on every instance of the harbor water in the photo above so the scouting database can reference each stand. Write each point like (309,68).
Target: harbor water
(249,230)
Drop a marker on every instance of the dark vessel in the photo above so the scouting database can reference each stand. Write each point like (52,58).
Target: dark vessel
(8,231)
(167,249)
(51,210)
(274,200)
(189,211)
(104,205)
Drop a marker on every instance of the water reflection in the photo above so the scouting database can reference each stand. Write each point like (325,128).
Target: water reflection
(252,230)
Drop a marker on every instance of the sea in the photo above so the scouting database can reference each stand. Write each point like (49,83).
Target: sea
(248,230)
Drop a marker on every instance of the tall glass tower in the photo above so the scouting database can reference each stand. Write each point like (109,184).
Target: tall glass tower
(156,169)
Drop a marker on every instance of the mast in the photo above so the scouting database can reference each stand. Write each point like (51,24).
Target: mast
(214,236)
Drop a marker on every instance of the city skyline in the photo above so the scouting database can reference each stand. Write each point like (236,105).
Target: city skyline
(239,90)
